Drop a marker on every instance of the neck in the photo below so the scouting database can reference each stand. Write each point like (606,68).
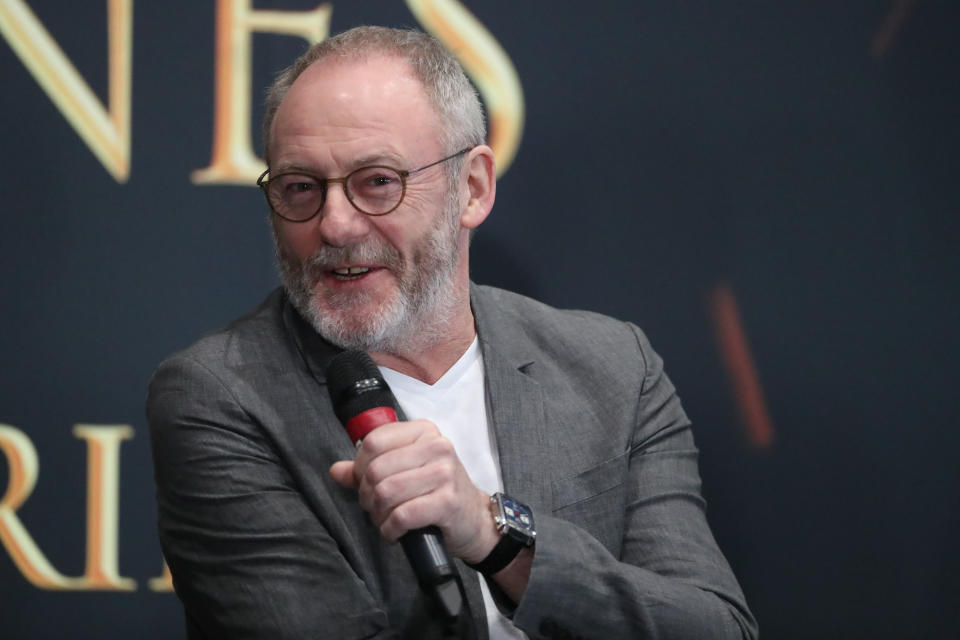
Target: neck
(427,360)
(441,338)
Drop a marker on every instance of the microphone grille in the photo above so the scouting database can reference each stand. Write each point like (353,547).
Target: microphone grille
(355,385)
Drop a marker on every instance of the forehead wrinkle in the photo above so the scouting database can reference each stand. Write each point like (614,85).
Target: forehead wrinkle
(337,148)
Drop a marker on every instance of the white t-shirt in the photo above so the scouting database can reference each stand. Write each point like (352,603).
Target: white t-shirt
(457,404)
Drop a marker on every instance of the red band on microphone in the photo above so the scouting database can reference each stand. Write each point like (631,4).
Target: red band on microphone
(363,423)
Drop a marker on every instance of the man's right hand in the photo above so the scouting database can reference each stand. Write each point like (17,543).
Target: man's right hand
(408,476)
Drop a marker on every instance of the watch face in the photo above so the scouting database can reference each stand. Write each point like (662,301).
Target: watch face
(517,516)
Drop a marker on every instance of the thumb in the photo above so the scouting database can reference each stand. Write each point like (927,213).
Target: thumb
(342,473)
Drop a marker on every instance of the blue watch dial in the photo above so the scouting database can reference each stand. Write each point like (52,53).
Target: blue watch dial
(516,519)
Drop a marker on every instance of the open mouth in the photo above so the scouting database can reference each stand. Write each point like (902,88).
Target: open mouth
(350,273)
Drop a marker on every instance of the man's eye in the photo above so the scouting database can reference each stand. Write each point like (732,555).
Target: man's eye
(295,187)
(381,180)
(300,187)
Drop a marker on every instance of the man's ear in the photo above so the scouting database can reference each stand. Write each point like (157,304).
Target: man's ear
(481,169)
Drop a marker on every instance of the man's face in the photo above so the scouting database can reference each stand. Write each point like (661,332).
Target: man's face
(366,282)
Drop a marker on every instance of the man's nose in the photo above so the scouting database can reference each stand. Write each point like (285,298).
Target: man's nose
(341,224)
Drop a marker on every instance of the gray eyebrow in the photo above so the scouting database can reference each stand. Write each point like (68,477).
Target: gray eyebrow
(294,168)
(372,159)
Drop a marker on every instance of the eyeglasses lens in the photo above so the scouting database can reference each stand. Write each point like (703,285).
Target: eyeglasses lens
(372,190)
(375,189)
(294,196)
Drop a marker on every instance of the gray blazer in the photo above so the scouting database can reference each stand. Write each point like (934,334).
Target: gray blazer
(263,544)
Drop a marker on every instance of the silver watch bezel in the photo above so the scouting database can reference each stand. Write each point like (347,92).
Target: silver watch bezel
(516,521)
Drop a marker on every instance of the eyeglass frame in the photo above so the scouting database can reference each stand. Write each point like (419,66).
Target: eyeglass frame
(326,182)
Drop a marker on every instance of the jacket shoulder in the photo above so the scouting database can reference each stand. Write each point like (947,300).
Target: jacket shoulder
(573,332)
(259,337)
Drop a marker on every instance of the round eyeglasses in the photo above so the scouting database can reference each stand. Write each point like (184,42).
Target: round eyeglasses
(375,190)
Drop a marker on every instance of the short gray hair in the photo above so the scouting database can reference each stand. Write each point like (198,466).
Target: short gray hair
(453,98)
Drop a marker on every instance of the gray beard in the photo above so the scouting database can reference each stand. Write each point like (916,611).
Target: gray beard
(419,313)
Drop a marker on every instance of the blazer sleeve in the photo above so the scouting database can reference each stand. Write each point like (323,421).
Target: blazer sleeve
(248,557)
(670,579)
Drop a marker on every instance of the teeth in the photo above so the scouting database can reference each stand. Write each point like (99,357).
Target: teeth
(351,271)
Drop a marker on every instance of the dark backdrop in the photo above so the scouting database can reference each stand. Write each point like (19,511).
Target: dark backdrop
(803,154)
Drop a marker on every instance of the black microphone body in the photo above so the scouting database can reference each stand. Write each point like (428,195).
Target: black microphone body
(362,401)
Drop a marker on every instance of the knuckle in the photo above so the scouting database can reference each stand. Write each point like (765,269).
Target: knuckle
(445,471)
(446,446)
(428,428)
(400,518)
(383,493)
(441,447)
(372,446)
(374,472)
(406,516)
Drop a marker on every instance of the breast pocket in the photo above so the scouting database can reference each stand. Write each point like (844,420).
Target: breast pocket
(594,499)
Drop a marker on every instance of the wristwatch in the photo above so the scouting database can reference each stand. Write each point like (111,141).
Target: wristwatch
(514,520)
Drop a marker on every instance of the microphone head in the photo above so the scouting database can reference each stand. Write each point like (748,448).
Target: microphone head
(356,385)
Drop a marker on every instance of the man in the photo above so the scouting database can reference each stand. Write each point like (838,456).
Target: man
(274,526)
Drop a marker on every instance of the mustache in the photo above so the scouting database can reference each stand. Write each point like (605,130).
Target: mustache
(370,253)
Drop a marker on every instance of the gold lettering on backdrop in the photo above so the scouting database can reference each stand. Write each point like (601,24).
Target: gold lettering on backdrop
(103,466)
(23,469)
(487,65)
(103,492)
(106,133)
(233,159)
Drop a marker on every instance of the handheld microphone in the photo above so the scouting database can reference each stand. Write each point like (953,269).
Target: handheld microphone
(363,401)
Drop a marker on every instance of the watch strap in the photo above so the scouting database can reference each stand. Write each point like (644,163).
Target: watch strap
(503,554)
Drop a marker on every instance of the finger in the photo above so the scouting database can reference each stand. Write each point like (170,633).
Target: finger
(416,454)
(392,436)
(412,514)
(436,507)
(387,481)
(462,515)
(343,474)
(381,498)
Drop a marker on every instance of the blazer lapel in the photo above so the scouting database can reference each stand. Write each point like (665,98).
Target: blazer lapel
(317,354)
(516,408)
